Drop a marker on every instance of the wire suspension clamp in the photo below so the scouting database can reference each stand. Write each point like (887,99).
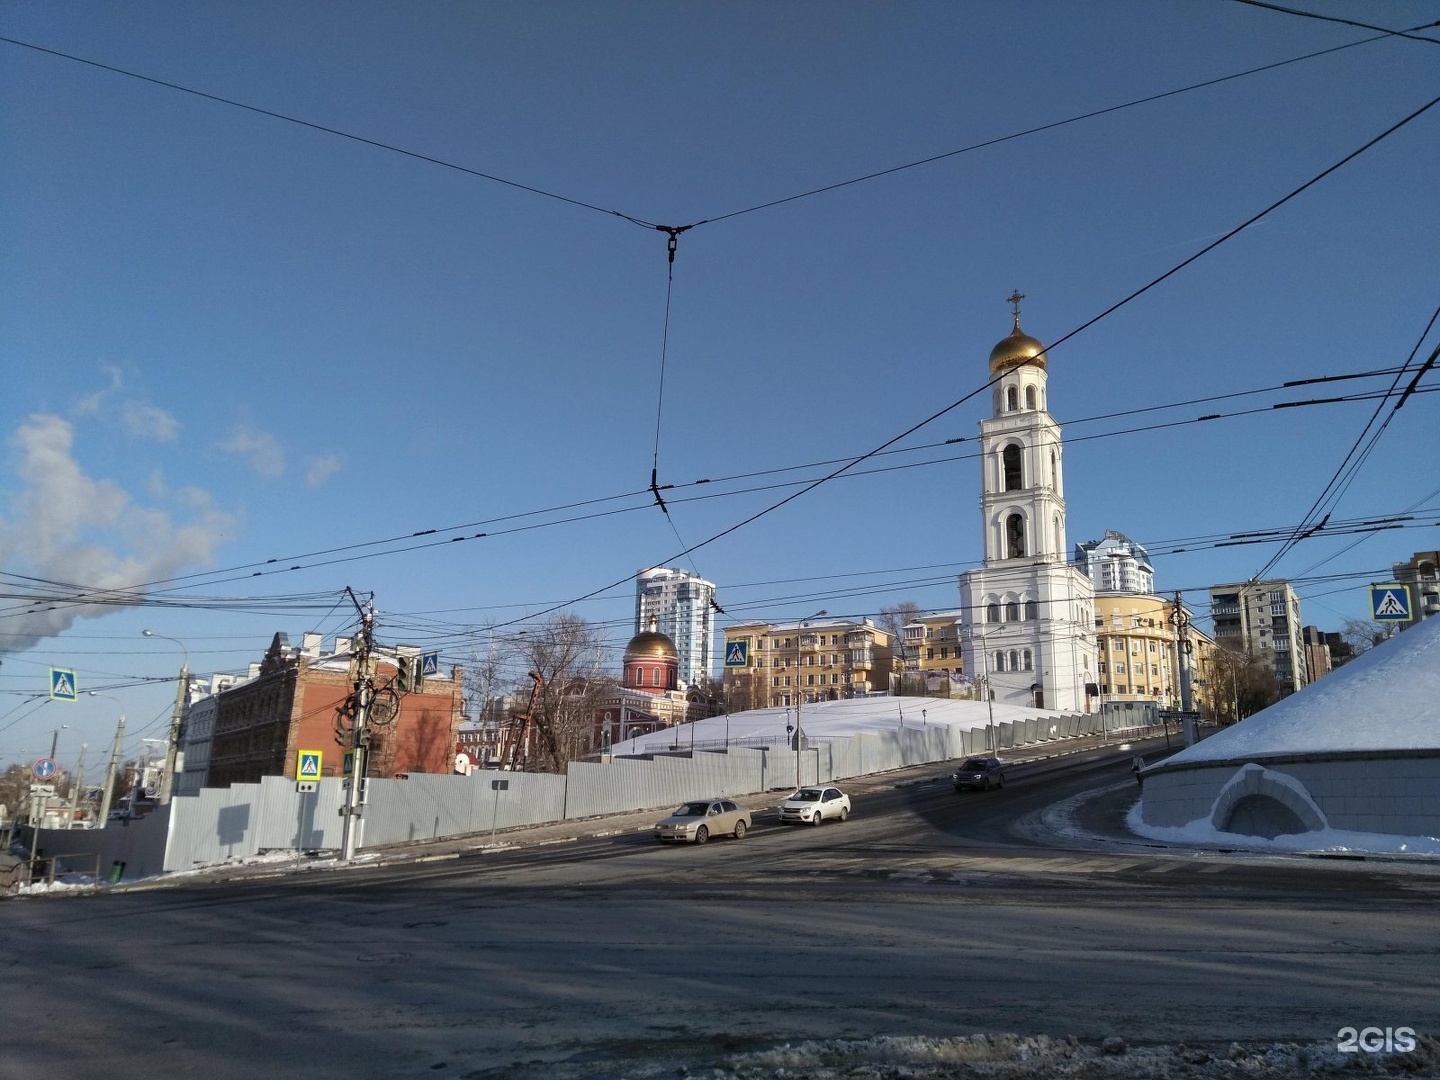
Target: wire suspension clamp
(673,232)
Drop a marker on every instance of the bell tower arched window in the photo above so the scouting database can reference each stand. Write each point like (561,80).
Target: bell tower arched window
(1010,458)
(1029,397)
(1012,399)
(1014,537)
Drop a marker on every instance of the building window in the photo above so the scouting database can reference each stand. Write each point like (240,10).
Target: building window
(929,654)
(1029,397)
(1032,611)
(1014,660)
(1012,611)
(999,661)
(944,653)
(1029,663)
(992,612)
(1012,401)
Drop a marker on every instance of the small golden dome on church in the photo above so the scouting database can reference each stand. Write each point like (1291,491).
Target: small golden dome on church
(1017,349)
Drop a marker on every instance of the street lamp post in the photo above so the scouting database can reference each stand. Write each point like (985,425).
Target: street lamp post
(182,691)
(985,687)
(800,694)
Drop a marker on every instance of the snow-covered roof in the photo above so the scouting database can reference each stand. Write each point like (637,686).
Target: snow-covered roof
(1385,699)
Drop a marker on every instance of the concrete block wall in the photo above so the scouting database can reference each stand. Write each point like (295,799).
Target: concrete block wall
(1394,795)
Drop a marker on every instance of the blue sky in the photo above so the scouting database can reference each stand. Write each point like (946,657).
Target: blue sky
(230,338)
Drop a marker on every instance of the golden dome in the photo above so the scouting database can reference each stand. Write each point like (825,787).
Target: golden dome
(651,645)
(1016,350)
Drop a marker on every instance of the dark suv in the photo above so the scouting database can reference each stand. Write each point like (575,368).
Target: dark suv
(979,772)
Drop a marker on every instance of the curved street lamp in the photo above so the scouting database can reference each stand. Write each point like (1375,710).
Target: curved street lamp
(182,691)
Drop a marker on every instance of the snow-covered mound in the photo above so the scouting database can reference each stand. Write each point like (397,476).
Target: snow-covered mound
(1385,699)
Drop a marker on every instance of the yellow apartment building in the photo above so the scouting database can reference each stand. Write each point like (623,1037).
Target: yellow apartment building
(821,659)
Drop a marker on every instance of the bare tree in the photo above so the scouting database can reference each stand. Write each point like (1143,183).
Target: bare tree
(1244,684)
(892,620)
(1360,635)
(568,654)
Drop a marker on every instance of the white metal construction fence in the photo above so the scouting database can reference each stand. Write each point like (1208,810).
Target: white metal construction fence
(243,820)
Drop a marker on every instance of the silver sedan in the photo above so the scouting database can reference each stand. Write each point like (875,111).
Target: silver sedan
(699,820)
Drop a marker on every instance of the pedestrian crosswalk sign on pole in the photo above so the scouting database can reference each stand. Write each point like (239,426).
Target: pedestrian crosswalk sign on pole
(430,665)
(307,764)
(62,684)
(737,653)
(1390,603)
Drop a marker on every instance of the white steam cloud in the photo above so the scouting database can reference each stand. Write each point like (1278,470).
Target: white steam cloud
(64,526)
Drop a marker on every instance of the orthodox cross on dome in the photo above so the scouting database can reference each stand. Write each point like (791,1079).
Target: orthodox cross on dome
(1015,298)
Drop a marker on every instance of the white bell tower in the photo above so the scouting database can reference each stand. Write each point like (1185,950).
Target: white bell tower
(1028,614)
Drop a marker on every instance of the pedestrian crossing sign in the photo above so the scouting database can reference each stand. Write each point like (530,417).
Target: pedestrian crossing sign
(62,684)
(737,654)
(430,665)
(307,765)
(1390,603)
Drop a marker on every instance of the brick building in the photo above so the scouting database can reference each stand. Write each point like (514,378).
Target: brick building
(291,703)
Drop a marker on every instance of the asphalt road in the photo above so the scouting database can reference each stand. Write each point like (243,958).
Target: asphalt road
(928,912)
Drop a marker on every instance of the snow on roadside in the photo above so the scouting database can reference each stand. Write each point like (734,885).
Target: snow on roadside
(996,1057)
(1202,833)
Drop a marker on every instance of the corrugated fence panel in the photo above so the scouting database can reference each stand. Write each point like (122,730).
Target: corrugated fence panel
(295,820)
(845,757)
(420,807)
(667,780)
(215,825)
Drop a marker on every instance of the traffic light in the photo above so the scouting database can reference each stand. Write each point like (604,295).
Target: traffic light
(409,674)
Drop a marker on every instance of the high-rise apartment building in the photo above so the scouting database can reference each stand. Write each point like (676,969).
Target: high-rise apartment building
(1262,619)
(682,606)
(1116,564)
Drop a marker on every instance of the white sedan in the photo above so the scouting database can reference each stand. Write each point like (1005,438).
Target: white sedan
(813,805)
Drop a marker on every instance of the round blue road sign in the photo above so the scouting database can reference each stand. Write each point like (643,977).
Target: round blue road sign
(45,769)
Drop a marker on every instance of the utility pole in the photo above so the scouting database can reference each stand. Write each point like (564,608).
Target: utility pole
(172,749)
(110,772)
(1181,622)
(360,698)
(77,784)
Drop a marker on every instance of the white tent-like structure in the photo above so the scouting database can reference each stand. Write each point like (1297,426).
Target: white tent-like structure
(1356,752)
